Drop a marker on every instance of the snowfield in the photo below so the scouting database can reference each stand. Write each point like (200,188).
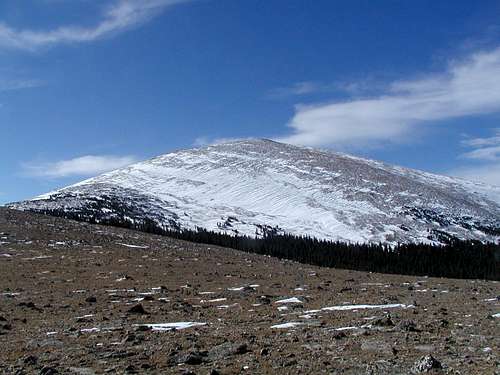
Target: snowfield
(252,186)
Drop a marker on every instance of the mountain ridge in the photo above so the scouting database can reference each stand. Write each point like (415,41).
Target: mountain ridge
(253,186)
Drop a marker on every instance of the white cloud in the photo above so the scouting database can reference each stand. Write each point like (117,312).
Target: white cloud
(489,173)
(485,154)
(88,165)
(468,87)
(297,89)
(20,84)
(486,149)
(305,88)
(123,15)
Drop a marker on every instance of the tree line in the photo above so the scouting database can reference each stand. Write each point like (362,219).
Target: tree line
(466,259)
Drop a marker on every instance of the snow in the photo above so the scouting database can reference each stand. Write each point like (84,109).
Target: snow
(39,257)
(301,191)
(171,326)
(85,316)
(345,328)
(90,330)
(240,288)
(133,246)
(289,300)
(287,325)
(213,300)
(359,307)
(222,307)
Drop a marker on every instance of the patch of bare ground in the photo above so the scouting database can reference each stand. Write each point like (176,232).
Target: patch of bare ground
(87,299)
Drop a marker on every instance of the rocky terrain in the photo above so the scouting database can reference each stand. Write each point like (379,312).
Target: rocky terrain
(77,298)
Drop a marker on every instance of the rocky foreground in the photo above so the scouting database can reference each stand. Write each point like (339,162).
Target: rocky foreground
(84,299)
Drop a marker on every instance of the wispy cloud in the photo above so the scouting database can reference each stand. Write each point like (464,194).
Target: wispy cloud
(88,165)
(308,88)
(486,149)
(20,84)
(297,89)
(484,154)
(489,173)
(467,87)
(121,16)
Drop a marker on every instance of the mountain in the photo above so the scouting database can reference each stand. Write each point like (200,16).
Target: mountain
(253,186)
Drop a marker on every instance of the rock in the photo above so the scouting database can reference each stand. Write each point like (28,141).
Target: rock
(84,319)
(337,335)
(384,321)
(265,300)
(142,328)
(137,309)
(407,326)
(2,319)
(47,370)
(264,352)
(227,349)
(426,364)
(193,358)
(133,338)
(130,369)
(444,323)
(30,305)
(82,370)
(91,299)
(30,360)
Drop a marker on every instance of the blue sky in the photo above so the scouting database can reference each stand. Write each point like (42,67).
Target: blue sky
(87,86)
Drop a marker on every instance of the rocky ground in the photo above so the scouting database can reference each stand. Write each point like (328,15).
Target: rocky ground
(86,299)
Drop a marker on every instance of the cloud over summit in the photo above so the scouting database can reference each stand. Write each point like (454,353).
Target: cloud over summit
(467,87)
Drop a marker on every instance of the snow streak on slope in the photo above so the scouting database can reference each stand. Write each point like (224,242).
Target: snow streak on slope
(247,186)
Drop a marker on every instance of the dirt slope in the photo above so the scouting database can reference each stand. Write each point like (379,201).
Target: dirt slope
(74,299)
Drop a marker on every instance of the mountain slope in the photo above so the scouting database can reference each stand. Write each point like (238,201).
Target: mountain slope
(251,186)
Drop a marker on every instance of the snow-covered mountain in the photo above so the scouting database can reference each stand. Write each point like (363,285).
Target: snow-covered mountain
(250,186)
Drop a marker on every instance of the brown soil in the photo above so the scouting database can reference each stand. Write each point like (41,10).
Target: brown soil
(74,298)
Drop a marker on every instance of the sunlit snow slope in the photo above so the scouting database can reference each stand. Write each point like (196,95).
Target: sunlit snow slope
(250,186)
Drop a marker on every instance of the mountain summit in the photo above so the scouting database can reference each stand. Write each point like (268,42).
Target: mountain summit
(252,186)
